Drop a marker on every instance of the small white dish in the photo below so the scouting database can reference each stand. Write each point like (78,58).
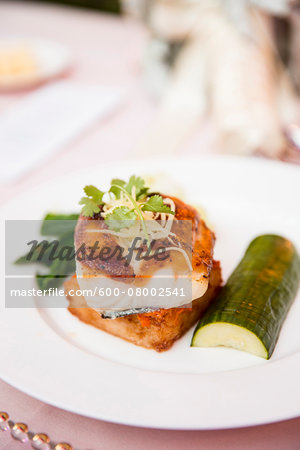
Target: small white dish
(50,59)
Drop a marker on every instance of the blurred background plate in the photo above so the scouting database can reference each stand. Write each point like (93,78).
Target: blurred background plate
(28,61)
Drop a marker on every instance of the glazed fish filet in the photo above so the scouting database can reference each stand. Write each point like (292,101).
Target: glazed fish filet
(187,265)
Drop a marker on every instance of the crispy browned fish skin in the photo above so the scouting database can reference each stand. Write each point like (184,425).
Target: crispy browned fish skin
(160,330)
(112,267)
(202,241)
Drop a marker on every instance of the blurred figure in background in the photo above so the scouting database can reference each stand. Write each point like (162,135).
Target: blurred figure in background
(234,62)
(224,58)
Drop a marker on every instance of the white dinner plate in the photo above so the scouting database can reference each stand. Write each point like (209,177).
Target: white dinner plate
(52,59)
(50,355)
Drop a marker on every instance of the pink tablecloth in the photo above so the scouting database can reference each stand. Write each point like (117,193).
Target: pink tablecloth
(107,50)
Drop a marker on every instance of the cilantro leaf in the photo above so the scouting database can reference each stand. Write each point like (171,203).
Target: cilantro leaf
(95,193)
(90,207)
(139,185)
(142,193)
(137,182)
(156,204)
(114,189)
(118,181)
(92,201)
(121,217)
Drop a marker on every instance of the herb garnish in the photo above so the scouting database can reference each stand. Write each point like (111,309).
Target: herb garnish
(122,216)
(156,204)
(92,201)
(134,182)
